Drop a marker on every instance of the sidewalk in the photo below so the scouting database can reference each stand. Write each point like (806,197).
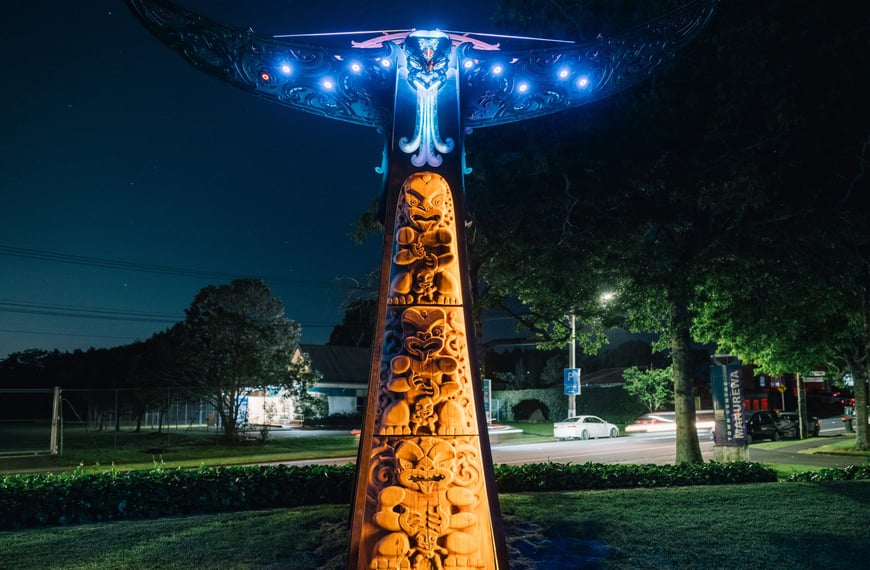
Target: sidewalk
(800,452)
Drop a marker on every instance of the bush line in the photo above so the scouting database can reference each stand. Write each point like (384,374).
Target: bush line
(77,497)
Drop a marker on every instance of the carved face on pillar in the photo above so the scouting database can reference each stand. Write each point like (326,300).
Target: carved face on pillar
(425,202)
(424,332)
(425,254)
(428,57)
(426,467)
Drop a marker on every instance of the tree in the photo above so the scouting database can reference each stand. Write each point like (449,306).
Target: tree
(661,193)
(235,339)
(653,387)
(358,327)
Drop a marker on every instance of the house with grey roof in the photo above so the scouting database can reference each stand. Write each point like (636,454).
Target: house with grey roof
(345,375)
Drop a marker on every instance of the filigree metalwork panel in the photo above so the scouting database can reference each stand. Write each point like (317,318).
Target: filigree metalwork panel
(508,86)
(356,83)
(348,84)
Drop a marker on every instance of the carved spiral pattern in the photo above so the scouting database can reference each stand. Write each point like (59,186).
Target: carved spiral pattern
(499,87)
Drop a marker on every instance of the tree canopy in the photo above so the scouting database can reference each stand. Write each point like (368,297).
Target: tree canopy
(236,339)
(689,194)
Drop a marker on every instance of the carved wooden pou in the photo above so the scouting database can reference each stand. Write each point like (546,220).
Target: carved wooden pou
(425,497)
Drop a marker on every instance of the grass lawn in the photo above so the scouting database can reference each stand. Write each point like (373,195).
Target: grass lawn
(794,525)
(172,447)
(782,525)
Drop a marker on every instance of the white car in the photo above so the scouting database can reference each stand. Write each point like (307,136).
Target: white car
(584,427)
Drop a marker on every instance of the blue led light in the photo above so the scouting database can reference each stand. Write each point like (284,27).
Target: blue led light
(523,87)
(468,63)
(564,73)
(286,69)
(328,84)
(582,82)
(355,67)
(497,69)
(386,62)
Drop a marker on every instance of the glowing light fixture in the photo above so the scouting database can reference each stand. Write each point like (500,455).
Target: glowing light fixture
(564,73)
(286,69)
(497,69)
(523,87)
(582,82)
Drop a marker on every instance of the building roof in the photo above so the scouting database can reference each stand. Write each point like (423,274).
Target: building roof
(340,364)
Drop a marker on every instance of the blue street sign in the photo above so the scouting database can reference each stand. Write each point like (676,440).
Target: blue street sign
(572,381)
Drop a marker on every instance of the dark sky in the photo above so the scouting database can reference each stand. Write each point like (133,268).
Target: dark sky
(123,170)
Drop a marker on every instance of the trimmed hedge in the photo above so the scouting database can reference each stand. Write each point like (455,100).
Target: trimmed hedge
(563,477)
(79,497)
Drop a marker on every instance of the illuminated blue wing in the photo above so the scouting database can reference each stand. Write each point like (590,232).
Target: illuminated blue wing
(353,85)
(505,86)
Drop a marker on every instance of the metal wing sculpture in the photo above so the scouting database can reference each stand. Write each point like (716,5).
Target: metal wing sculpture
(357,83)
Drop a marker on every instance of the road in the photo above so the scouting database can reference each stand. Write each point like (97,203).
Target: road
(657,449)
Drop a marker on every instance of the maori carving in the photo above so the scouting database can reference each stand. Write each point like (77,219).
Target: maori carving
(426,501)
(426,69)
(501,83)
(426,382)
(425,265)
(428,517)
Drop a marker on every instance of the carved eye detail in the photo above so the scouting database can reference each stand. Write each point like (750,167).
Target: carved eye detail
(437,331)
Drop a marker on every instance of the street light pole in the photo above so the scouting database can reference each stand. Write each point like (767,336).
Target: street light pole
(572,363)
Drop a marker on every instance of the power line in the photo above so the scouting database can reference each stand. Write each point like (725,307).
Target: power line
(104,263)
(53,333)
(88,312)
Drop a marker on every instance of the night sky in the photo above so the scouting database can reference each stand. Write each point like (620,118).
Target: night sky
(130,180)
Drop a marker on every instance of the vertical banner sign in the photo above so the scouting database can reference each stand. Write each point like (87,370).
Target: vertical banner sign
(487,399)
(729,413)
(572,381)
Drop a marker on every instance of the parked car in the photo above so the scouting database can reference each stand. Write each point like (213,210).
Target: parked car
(790,423)
(763,424)
(657,422)
(584,427)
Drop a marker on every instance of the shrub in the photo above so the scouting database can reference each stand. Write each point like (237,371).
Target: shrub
(847,473)
(561,477)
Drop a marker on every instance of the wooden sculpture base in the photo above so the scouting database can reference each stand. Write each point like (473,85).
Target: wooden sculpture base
(425,497)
